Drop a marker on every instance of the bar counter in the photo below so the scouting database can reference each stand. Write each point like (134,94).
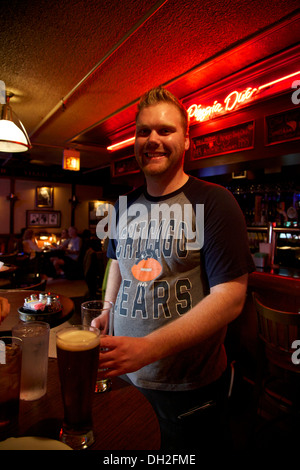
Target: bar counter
(279,286)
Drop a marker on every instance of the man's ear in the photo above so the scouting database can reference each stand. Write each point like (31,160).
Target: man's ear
(187,142)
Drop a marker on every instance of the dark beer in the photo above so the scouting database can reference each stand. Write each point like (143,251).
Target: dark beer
(78,357)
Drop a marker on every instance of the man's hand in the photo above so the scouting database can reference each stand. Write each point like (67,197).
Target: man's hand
(124,354)
(102,322)
(214,312)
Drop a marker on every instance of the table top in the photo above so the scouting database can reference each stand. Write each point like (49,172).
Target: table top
(7,269)
(123,417)
(16,299)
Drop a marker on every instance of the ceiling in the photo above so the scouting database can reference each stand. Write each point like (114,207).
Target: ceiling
(78,67)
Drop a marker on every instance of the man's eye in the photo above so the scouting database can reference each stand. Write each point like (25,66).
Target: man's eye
(142,132)
(165,131)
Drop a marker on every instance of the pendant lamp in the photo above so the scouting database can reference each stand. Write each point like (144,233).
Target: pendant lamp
(13,136)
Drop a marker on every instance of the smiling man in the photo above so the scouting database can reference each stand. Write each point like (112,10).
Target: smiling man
(173,299)
(161,141)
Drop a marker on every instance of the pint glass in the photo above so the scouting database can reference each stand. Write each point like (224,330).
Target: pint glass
(77,356)
(35,346)
(99,313)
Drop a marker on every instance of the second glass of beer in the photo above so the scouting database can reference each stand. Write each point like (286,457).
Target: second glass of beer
(99,313)
(78,356)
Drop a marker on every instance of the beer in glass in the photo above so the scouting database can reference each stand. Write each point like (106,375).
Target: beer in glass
(77,356)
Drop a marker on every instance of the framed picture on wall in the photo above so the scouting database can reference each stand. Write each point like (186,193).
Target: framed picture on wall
(44,196)
(97,210)
(282,127)
(43,219)
(229,140)
(124,166)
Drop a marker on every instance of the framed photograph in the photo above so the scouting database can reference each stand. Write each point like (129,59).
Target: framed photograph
(232,139)
(282,127)
(97,210)
(44,196)
(124,166)
(43,219)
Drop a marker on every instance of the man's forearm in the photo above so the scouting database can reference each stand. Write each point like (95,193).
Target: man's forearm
(127,354)
(214,312)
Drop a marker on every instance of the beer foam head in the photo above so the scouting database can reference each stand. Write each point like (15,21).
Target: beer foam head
(77,340)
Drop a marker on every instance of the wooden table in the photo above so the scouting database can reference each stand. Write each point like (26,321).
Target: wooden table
(5,275)
(16,300)
(123,418)
(7,270)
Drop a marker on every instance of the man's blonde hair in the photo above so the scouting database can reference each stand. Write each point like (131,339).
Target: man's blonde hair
(161,95)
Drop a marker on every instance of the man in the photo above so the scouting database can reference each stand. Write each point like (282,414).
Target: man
(175,294)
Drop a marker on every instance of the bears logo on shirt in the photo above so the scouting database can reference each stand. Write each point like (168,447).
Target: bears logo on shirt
(147,268)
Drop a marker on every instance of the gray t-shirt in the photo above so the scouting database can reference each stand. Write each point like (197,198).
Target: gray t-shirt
(171,250)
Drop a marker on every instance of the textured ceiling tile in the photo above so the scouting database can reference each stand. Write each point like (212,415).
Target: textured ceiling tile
(47,47)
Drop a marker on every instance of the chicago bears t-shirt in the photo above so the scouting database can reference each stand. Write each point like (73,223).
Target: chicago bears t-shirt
(171,250)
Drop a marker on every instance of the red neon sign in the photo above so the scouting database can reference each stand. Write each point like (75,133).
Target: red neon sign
(122,144)
(232,101)
(197,113)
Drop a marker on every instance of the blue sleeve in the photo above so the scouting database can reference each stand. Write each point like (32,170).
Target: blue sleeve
(226,247)
(111,250)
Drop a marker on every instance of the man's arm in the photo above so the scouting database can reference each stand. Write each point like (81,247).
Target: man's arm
(218,309)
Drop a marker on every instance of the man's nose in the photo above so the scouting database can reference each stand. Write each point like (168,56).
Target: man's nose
(153,138)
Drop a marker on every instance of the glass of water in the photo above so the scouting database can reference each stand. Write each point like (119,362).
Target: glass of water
(35,342)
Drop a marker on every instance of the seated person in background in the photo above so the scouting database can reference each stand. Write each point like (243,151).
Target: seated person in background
(56,250)
(68,263)
(4,308)
(29,243)
(63,241)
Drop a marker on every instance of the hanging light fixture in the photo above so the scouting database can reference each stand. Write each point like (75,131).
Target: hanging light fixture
(13,137)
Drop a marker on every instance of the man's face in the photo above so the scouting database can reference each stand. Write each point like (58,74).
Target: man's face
(160,140)
(72,232)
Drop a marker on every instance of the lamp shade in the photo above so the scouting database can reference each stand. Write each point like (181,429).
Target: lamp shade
(12,139)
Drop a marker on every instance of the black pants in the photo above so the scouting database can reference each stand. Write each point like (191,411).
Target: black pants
(195,419)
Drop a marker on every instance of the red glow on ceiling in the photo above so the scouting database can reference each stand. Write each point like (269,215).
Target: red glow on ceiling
(198,113)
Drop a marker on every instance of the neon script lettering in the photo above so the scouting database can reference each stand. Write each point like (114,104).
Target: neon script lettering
(231,101)
(234,98)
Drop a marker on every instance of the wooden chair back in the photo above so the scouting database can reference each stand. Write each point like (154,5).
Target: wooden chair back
(278,330)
